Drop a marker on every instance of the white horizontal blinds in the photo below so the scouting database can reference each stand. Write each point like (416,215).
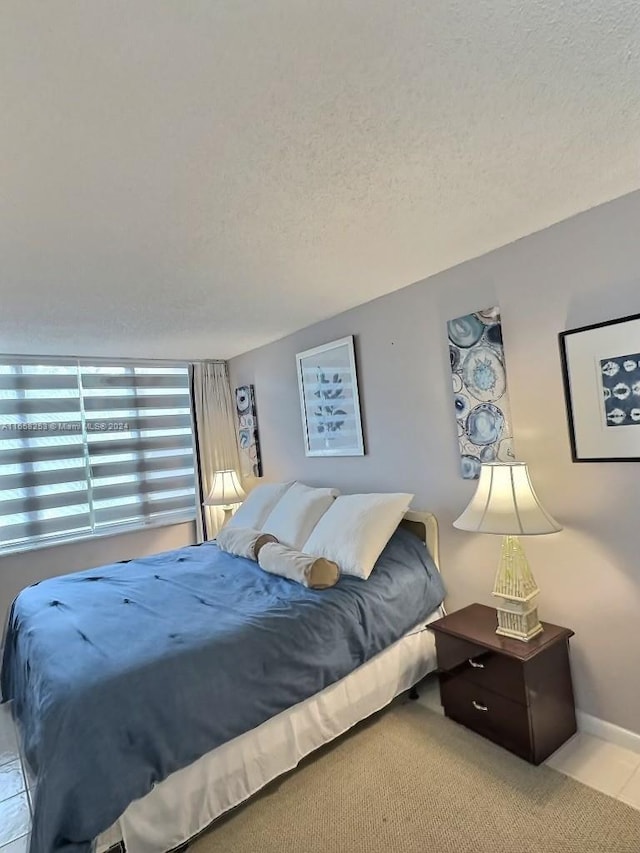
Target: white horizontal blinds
(87,446)
(43,475)
(139,438)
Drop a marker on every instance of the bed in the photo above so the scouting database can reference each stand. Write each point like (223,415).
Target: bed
(140,717)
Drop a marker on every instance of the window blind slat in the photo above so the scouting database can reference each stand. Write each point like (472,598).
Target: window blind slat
(38,529)
(40,427)
(141,487)
(110,515)
(125,444)
(42,502)
(21,408)
(146,465)
(93,381)
(148,401)
(33,454)
(38,382)
(140,424)
(32,479)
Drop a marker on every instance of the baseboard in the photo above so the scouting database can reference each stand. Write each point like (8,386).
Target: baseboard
(608,731)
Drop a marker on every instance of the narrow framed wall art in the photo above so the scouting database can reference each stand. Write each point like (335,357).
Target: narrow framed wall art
(248,437)
(480,398)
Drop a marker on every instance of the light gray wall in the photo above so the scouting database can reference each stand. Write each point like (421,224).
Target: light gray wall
(19,570)
(580,271)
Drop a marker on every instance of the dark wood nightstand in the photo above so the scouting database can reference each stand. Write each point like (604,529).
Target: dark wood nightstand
(517,694)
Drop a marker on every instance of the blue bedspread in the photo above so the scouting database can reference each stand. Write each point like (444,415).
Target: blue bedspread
(122,675)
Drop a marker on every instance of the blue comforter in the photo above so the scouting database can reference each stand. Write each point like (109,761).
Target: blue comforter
(122,675)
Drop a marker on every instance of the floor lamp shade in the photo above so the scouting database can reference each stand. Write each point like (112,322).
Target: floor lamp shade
(506,504)
(226,491)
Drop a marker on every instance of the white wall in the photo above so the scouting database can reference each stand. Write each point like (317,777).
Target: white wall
(19,570)
(580,271)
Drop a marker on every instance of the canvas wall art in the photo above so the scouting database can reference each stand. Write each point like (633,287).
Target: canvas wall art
(601,368)
(480,398)
(248,438)
(329,400)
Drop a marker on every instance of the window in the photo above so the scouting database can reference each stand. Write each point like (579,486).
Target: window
(87,447)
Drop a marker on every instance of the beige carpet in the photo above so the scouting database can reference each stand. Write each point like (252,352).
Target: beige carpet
(410,781)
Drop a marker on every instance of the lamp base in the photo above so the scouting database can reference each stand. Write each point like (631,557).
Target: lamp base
(518,626)
(517,589)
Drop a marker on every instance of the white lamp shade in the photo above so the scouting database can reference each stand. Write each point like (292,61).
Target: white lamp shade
(505,503)
(226,489)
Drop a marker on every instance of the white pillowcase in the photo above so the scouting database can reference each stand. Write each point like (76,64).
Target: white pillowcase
(255,508)
(242,541)
(355,529)
(295,515)
(313,572)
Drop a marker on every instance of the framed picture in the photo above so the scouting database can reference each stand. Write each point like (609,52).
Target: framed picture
(248,438)
(329,400)
(601,371)
(480,394)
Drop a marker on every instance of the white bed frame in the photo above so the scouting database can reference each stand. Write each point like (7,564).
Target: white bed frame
(188,801)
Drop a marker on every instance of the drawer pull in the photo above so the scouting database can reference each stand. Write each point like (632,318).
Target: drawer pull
(478,706)
(475,664)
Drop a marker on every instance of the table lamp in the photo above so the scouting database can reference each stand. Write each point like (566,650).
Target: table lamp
(226,492)
(505,503)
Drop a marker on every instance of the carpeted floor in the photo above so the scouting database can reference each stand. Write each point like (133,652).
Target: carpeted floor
(411,781)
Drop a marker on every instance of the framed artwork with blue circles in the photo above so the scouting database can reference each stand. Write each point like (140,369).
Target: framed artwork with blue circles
(601,372)
(248,437)
(480,399)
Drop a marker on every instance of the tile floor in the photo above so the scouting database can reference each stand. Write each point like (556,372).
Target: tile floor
(608,768)
(15,807)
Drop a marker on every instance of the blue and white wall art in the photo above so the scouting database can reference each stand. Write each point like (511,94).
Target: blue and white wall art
(621,390)
(329,400)
(248,438)
(480,398)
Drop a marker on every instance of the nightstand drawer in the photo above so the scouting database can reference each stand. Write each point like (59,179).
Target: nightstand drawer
(501,720)
(486,668)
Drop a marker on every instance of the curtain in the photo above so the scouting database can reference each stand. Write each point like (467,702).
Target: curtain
(215,437)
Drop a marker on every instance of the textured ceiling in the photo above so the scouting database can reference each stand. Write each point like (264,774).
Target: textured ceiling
(193,179)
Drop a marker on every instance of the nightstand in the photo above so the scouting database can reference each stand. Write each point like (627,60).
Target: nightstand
(517,694)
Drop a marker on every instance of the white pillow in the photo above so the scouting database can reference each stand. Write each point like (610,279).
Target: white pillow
(255,508)
(297,512)
(355,529)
